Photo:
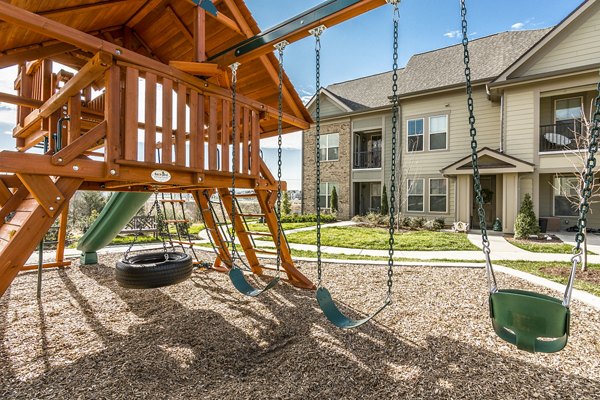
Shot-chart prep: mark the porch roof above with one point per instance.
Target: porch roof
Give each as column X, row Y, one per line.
column 490, row 162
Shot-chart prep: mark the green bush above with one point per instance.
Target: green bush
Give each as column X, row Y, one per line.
column 405, row 222
column 334, row 201
column 417, row 222
column 439, row 223
column 385, row 209
column 325, row 218
column 286, row 207
column 526, row 223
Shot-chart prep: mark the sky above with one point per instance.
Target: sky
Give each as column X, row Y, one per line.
column 363, row 46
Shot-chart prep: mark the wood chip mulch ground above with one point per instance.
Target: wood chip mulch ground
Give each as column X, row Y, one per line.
column 91, row 339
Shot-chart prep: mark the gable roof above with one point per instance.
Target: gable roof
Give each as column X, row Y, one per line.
column 490, row 161
column 530, row 53
column 439, row 69
column 159, row 29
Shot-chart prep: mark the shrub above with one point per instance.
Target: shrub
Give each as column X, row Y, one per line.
column 385, row 209
column 526, row 223
column 334, row 201
column 286, row 207
column 417, row 222
column 325, row 218
column 405, row 222
column 439, row 223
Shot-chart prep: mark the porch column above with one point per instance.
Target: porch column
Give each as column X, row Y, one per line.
column 464, row 201
column 510, row 201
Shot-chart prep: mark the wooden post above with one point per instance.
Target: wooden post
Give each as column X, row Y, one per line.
column 150, row 117
column 62, row 235
column 24, row 91
column 235, row 141
column 225, row 123
column 131, row 113
column 112, row 114
column 212, row 134
column 246, row 141
column 167, row 122
column 255, row 151
column 199, row 34
column 194, row 130
column 74, row 110
column 180, row 158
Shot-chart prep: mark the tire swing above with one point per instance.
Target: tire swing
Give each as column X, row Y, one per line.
column 155, row 269
column 532, row 321
column 324, row 298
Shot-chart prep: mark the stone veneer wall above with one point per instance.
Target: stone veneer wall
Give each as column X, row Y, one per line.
column 331, row 171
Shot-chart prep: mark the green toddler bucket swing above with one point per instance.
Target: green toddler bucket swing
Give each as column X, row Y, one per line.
column 532, row 321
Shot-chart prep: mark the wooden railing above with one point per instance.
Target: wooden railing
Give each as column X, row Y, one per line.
column 169, row 123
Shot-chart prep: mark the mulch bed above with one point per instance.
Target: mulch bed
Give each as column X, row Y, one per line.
column 543, row 239
column 589, row 275
column 200, row 339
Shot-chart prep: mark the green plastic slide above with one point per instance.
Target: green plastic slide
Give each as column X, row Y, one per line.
column 114, row 216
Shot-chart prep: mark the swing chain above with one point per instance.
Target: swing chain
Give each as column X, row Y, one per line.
column 316, row 32
column 474, row 157
column 280, row 49
column 234, row 68
column 395, row 113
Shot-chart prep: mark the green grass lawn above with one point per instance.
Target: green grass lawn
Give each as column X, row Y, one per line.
column 377, row 239
column 120, row 240
column 257, row 227
column 559, row 272
column 534, row 247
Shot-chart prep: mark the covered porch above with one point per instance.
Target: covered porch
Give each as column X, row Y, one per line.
column 501, row 177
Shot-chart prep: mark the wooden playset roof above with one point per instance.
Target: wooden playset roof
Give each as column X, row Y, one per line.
column 160, row 29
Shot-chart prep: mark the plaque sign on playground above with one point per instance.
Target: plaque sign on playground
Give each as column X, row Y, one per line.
column 161, row 176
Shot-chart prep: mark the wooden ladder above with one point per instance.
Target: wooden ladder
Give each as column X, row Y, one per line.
column 26, row 216
column 266, row 200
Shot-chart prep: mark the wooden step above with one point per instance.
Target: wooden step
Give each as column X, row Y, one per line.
column 269, row 252
column 251, row 233
column 173, row 201
column 246, row 195
column 176, row 221
column 251, row 215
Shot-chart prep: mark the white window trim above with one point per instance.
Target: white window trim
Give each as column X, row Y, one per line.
column 323, row 135
column 435, row 133
column 437, row 195
column 408, row 195
column 567, row 98
column 408, row 135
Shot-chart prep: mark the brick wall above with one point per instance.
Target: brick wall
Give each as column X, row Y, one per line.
column 331, row 171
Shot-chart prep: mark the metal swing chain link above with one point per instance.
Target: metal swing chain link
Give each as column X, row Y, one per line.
column 395, row 112
column 317, row 34
column 234, row 68
column 280, row 48
column 474, row 157
column 586, row 193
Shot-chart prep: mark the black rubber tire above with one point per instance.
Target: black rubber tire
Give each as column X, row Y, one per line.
column 151, row 270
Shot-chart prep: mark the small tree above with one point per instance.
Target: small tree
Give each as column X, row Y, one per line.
column 385, row 209
column 334, row 201
column 526, row 223
column 286, row 207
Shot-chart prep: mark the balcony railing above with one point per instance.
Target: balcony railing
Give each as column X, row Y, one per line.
column 559, row 137
column 367, row 159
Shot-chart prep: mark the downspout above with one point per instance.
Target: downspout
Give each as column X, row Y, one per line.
column 399, row 165
column 502, row 115
column 302, row 177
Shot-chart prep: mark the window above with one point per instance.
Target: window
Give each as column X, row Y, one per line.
column 438, row 195
column 376, row 197
column 438, row 131
column 567, row 110
column 566, row 197
column 325, row 195
column 415, row 134
column 415, row 195
column 330, row 147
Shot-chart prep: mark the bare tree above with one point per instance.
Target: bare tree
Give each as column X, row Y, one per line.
column 572, row 189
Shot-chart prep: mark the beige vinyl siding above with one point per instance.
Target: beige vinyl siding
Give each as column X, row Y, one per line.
column 520, row 123
column 328, row 108
column 576, row 46
column 458, row 139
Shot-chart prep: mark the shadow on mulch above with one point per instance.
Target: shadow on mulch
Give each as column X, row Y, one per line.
column 228, row 363
column 590, row 275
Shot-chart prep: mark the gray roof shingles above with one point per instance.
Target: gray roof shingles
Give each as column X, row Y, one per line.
column 437, row 69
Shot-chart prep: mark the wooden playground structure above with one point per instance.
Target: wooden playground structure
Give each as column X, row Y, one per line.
column 132, row 59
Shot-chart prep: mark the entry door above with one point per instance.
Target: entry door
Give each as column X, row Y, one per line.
column 488, row 189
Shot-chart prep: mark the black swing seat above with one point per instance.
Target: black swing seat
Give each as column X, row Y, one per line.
column 236, row 275
column 336, row 317
column 532, row 321
column 153, row 270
